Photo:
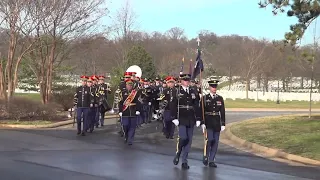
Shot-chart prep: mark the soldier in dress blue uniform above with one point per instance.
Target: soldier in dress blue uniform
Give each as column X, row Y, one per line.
column 93, row 105
column 122, row 87
column 186, row 114
column 170, row 96
column 103, row 91
column 213, row 123
column 148, row 98
column 96, row 105
column 82, row 102
column 129, row 109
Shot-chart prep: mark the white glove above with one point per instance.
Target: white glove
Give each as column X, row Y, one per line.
column 120, row 114
column 149, row 103
column 175, row 122
column 203, row 128
column 91, row 105
column 137, row 113
column 198, row 123
column 223, row 128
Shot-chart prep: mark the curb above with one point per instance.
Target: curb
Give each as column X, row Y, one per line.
column 269, row 110
column 53, row 125
column 268, row 151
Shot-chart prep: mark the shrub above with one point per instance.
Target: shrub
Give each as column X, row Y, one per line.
column 22, row 108
column 63, row 95
column 48, row 112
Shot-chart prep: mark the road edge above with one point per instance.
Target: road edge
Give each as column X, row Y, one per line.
column 53, row 125
column 269, row 152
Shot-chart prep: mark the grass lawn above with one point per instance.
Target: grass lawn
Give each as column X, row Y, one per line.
column 242, row 103
column 34, row 96
column 25, row 122
column 292, row 134
column 239, row 103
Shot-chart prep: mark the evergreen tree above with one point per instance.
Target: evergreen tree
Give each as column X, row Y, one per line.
column 305, row 11
column 140, row 57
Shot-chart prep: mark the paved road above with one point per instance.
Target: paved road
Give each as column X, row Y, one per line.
column 59, row 154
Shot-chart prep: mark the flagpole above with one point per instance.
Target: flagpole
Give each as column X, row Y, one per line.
column 201, row 89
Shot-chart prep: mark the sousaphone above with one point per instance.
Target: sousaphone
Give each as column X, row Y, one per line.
column 135, row 69
column 116, row 100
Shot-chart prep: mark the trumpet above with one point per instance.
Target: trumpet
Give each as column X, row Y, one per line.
column 116, row 100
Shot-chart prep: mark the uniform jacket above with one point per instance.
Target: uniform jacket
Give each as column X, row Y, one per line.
column 146, row 95
column 83, row 97
column 214, row 112
column 131, row 110
column 170, row 95
column 186, row 109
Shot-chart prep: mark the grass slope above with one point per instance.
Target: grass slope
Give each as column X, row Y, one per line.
column 292, row 134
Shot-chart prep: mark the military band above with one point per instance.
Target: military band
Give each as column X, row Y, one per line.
column 177, row 102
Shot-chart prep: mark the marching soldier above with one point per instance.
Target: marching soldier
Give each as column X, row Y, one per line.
column 186, row 114
column 96, row 106
column 170, row 98
column 147, row 98
column 122, row 87
column 82, row 102
column 129, row 109
column 103, row 90
column 155, row 102
column 93, row 105
column 214, row 122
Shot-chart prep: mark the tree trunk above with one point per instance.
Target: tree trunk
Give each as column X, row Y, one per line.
column 284, row 84
column 3, row 92
column 301, row 83
column 259, row 81
column 247, row 88
column 49, row 75
column 8, row 71
column 230, row 78
column 266, row 83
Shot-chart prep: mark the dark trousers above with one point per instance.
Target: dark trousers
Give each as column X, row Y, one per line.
column 102, row 114
column 168, row 124
column 184, row 142
column 211, row 144
column 129, row 125
column 82, row 112
column 91, row 118
column 145, row 114
column 96, row 116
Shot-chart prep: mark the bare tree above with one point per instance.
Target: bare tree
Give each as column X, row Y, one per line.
column 175, row 33
column 124, row 24
column 61, row 21
column 17, row 20
column 252, row 57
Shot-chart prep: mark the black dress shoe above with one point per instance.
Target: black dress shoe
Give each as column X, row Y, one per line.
column 167, row 136
column 185, row 166
column 205, row 160
column 171, row 137
column 78, row 133
column 83, row 134
column 176, row 160
column 212, row 164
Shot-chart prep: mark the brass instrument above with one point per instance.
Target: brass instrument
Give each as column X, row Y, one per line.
column 116, row 100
